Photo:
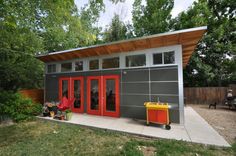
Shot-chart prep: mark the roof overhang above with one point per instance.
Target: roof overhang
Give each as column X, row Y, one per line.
column 188, row 38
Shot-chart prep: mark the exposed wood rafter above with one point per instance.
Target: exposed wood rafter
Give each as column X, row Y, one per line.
column 187, row 38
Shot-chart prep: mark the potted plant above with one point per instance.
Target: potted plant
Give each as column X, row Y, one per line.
column 52, row 107
column 68, row 114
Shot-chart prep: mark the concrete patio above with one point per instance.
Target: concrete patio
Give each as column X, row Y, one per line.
column 195, row 129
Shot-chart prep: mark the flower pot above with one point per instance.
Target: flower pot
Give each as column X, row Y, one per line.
column 62, row 117
column 52, row 114
column 68, row 116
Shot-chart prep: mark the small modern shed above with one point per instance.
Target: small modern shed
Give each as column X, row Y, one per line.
column 115, row 79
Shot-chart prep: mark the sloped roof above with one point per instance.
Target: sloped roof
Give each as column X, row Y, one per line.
column 188, row 38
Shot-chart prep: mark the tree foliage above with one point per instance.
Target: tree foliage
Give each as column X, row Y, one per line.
column 64, row 28
column 116, row 30
column 30, row 26
column 213, row 64
column 152, row 18
column 18, row 42
column 34, row 26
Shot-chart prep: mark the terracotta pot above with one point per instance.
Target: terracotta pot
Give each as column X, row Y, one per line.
column 62, row 117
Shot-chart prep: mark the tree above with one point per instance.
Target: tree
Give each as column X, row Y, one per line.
column 152, row 18
column 116, row 30
column 64, row 28
column 30, row 26
column 213, row 64
column 34, row 26
column 18, row 44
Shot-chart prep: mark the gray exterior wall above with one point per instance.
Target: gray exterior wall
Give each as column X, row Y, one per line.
column 137, row 86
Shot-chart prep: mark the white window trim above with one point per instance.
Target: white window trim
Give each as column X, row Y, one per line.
column 135, row 55
column 99, row 63
column 122, row 57
column 163, row 50
column 46, row 68
column 78, row 60
column 72, row 69
column 164, row 57
column 109, row 57
column 151, row 58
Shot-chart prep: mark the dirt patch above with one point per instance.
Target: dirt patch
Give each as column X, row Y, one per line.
column 221, row 119
column 7, row 122
column 147, row 151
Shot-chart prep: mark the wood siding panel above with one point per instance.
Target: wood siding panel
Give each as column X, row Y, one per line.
column 156, row 42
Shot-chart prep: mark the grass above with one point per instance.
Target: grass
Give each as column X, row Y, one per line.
column 41, row 137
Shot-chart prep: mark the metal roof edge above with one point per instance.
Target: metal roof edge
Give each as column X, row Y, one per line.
column 128, row 40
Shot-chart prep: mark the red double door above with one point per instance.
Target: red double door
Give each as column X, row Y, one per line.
column 73, row 88
column 102, row 94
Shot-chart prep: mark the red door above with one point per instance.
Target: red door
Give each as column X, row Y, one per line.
column 111, row 101
column 77, row 93
column 72, row 88
column 94, row 95
column 103, row 95
column 64, row 87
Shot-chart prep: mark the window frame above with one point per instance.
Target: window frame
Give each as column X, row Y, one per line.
column 48, row 68
column 142, row 53
column 92, row 59
column 122, row 59
column 163, row 50
column 64, row 62
column 110, row 57
column 163, row 57
column 78, row 60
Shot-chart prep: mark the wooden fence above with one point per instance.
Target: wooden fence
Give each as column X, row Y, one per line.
column 194, row 95
column 206, row 95
column 37, row 95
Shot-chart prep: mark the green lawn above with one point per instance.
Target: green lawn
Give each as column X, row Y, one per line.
column 51, row 138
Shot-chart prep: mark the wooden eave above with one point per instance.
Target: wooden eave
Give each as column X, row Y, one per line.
column 188, row 38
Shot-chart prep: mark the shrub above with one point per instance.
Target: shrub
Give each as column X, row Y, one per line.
column 17, row 107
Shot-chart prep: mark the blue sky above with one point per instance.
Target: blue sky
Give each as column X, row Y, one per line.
column 125, row 9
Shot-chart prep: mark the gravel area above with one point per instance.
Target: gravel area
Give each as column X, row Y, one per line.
column 221, row 119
